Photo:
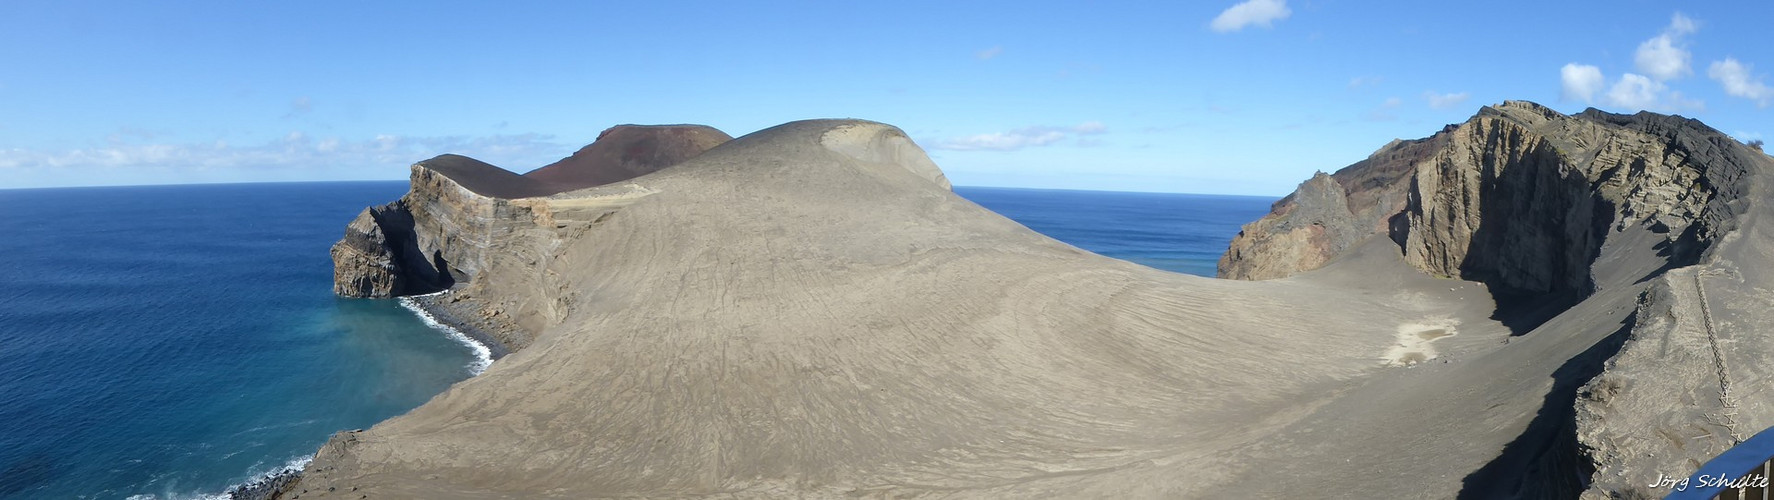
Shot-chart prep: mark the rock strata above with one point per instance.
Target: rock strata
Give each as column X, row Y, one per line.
column 1306, row 229
column 808, row 311
column 1629, row 210
column 1519, row 197
column 426, row 241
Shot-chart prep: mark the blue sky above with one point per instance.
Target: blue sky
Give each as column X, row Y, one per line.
column 1205, row 96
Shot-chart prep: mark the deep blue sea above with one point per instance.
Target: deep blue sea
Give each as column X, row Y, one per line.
column 173, row 341
column 1185, row 233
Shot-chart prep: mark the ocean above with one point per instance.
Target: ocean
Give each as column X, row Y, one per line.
column 1184, row 233
column 175, row 341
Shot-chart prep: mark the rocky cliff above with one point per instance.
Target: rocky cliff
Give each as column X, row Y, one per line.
column 1519, row 197
column 808, row 311
column 1328, row 214
column 400, row 248
column 1550, row 209
column 465, row 220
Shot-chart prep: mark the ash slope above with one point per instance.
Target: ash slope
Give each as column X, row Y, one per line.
column 807, row 310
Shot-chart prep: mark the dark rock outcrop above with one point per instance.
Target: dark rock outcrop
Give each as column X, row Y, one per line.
column 1574, row 214
column 1519, row 197
column 808, row 311
column 1328, row 214
column 436, row 235
column 380, row 257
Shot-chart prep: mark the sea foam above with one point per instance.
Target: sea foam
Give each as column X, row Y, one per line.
column 260, row 480
column 483, row 356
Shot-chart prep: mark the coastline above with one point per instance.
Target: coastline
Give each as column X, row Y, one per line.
column 444, row 312
column 270, row 484
column 439, row 311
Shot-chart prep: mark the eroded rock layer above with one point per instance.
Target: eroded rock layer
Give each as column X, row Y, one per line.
column 1519, row 197
column 441, row 231
column 1644, row 213
column 808, row 311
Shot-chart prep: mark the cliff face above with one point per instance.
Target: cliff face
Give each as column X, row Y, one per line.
column 1499, row 204
column 440, row 231
column 1328, row 214
column 1640, row 213
column 809, row 311
column 443, row 236
column 466, row 223
column 1519, row 197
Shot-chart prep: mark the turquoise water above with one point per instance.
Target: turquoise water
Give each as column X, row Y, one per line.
column 173, row 341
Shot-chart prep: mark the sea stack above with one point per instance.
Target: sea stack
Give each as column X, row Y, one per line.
column 809, row 311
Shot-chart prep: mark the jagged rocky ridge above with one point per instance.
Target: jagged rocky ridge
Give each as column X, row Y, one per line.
column 1519, row 197
column 1547, row 210
column 808, row 311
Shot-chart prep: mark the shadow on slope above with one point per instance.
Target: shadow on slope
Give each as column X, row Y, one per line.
column 1543, row 462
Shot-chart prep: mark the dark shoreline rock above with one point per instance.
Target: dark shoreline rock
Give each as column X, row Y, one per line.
column 451, row 313
column 266, row 488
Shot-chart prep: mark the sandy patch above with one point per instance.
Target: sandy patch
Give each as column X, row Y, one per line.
column 1415, row 341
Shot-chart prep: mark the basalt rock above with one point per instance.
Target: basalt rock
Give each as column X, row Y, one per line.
column 408, row 247
column 809, row 311
column 1519, row 197
column 1570, row 215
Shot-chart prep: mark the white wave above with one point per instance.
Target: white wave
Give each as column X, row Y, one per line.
column 483, row 356
column 294, row 465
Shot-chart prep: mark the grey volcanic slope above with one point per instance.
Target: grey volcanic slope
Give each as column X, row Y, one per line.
column 808, row 311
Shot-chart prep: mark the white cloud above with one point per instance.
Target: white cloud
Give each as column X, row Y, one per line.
column 1445, row 101
column 1581, row 82
column 1635, row 91
column 1682, row 25
column 1659, row 60
column 1250, row 13
column 1739, row 82
column 295, row 151
column 1664, row 56
column 989, row 53
column 1639, row 92
column 1021, row 138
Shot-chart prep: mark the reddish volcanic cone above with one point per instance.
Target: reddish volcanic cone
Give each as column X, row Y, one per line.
column 627, row 151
